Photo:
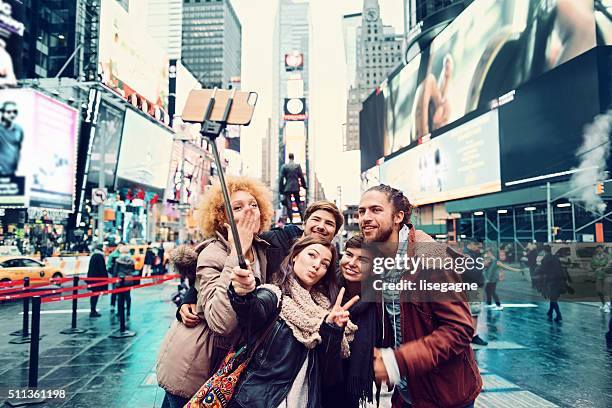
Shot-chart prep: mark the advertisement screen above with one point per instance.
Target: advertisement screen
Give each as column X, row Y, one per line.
column 544, row 125
column 129, row 59
column 12, row 30
column 108, row 131
column 196, row 167
column 371, row 130
column 37, row 150
column 491, row 48
column 145, row 152
column 462, row 162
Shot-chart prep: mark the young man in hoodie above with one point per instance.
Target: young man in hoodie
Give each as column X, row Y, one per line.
column 430, row 360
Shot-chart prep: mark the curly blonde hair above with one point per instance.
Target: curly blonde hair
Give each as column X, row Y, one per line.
column 211, row 211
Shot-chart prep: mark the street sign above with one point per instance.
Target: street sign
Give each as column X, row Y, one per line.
column 98, row 196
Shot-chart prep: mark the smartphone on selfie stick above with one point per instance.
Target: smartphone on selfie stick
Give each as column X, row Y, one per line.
column 214, row 109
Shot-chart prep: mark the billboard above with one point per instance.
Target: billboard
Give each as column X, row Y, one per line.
column 543, row 125
column 12, row 30
column 491, row 48
column 196, row 167
column 144, row 157
column 294, row 61
column 462, row 162
column 295, row 109
column 38, row 141
column 108, row 131
column 130, row 61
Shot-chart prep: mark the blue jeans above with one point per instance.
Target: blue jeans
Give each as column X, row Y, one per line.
column 174, row 401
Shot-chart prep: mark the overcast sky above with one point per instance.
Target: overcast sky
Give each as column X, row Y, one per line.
column 327, row 84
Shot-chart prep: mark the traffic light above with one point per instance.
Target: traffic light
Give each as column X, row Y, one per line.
column 600, row 188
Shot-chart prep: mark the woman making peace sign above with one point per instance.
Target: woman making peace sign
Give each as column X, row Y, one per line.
column 308, row 336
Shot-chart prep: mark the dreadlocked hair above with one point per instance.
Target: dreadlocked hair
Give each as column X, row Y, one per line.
column 399, row 201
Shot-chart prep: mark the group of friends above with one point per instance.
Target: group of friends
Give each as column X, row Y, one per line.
column 319, row 342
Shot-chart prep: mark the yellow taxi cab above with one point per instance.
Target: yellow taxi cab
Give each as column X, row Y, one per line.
column 18, row 267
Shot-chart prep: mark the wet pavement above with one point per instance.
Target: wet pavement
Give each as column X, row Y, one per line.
column 530, row 362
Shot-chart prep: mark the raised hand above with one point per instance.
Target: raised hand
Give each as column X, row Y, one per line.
column 243, row 280
column 339, row 314
column 247, row 226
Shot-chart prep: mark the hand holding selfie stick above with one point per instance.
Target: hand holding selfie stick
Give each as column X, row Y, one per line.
column 211, row 130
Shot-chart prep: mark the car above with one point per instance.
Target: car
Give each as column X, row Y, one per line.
column 19, row 267
column 7, row 250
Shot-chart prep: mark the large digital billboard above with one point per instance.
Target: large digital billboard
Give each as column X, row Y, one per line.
column 195, row 165
column 144, row 157
column 108, row 135
column 130, row 61
column 12, row 30
column 462, row 162
column 543, row 125
column 491, row 48
column 38, row 140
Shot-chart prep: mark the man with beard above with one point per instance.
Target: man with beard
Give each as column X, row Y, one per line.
column 11, row 138
column 429, row 359
column 321, row 218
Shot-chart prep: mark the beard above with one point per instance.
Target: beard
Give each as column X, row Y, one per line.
column 382, row 235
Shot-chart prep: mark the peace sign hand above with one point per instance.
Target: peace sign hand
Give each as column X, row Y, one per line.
column 339, row 315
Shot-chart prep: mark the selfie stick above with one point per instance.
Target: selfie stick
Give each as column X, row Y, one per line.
column 211, row 130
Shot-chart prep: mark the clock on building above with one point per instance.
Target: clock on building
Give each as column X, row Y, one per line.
column 371, row 14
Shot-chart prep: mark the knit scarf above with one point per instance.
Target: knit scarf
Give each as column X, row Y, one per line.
column 360, row 372
column 305, row 311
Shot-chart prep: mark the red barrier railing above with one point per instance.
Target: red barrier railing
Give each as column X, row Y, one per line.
column 156, row 281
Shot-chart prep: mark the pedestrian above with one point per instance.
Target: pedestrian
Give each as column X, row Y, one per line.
column 475, row 275
column 96, row 269
column 492, row 277
column 191, row 351
column 290, row 180
column 354, row 387
column 430, row 361
column 125, row 268
column 532, row 263
column 110, row 267
column 599, row 267
column 149, row 259
column 554, row 282
column 160, row 261
column 307, row 333
column 321, row 218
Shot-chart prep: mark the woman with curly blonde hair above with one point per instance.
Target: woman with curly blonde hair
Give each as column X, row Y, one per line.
column 191, row 351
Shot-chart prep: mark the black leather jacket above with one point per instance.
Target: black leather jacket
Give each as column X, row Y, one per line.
column 270, row 374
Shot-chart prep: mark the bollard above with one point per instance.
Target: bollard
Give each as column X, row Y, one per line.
column 33, row 369
column 24, row 334
column 73, row 328
column 123, row 332
column 33, row 373
column 24, row 331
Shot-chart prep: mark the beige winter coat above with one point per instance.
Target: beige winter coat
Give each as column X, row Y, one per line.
column 186, row 354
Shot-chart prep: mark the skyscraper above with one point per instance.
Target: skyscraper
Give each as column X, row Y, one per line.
column 378, row 52
column 165, row 24
column 290, row 85
column 212, row 41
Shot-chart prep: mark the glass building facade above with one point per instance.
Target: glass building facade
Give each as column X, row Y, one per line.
column 212, row 37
